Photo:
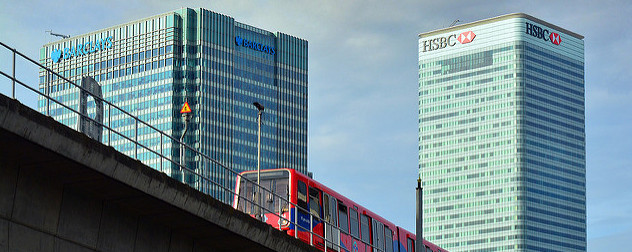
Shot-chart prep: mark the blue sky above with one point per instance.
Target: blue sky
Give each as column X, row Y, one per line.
column 363, row 85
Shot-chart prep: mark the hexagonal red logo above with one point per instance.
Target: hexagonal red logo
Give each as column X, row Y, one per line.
column 466, row 37
column 555, row 38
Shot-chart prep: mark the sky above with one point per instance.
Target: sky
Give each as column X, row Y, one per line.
column 362, row 136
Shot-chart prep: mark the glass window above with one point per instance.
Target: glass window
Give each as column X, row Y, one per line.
column 122, row 59
column 388, row 239
column 353, row 222
column 148, row 54
column 161, row 50
column 314, row 202
column 96, row 66
column 135, row 57
column 141, row 68
column 343, row 218
column 129, row 59
column 410, row 244
column 302, row 195
column 168, row 49
column 161, row 63
column 115, row 62
column 364, row 228
column 155, row 52
column 148, row 66
column 169, row 62
column 141, row 56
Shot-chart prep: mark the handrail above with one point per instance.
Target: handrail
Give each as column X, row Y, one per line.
column 224, row 189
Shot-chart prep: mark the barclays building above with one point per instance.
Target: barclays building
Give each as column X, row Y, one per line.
column 152, row 66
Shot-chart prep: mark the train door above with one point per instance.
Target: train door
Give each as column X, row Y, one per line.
column 315, row 209
column 343, row 221
column 389, row 242
column 330, row 215
column 378, row 236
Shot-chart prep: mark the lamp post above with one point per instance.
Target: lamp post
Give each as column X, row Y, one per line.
column 258, row 194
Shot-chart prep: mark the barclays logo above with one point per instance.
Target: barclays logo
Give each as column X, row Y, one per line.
column 254, row 45
column 81, row 49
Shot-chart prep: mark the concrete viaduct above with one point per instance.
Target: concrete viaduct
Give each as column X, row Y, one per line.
column 62, row 191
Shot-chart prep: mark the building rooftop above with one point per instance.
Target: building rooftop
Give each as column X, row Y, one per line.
column 499, row 18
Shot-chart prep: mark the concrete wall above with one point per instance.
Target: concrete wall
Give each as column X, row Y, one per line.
column 62, row 191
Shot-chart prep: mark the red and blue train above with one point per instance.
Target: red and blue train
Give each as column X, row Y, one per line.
column 358, row 229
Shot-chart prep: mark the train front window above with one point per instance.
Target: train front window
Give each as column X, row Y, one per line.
column 275, row 182
column 314, row 202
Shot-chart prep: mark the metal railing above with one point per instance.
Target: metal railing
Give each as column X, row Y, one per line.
column 109, row 129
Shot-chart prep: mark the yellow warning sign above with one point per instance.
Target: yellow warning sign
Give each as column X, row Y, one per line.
column 185, row 108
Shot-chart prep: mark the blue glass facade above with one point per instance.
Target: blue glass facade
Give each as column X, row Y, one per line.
column 219, row 66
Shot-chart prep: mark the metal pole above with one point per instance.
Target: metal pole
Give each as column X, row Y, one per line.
column 260, row 109
column 419, row 232
column 259, row 165
column 160, row 133
column 311, row 230
column 47, row 90
column 325, row 234
column 182, row 149
column 136, row 138
column 295, row 221
column 13, row 93
column 110, row 124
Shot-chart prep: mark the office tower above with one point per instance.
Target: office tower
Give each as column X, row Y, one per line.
column 152, row 66
column 502, row 136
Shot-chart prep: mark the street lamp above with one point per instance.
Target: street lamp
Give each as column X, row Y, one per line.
column 258, row 195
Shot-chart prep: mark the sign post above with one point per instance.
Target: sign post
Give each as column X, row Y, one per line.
column 186, row 114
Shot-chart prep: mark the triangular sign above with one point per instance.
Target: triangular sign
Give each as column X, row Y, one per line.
column 185, row 108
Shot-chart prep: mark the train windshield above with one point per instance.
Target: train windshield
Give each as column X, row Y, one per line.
column 274, row 199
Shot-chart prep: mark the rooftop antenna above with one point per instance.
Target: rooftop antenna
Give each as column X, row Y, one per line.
column 454, row 23
column 57, row 35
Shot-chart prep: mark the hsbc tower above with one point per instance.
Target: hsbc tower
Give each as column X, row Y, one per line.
column 502, row 150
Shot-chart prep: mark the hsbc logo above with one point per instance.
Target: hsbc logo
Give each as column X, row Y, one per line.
column 543, row 33
column 443, row 42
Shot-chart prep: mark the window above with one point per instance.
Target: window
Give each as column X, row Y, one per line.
column 388, row 239
column 364, row 228
column 410, row 244
column 428, row 249
column 343, row 218
column 314, row 202
column 302, row 195
column 353, row 222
